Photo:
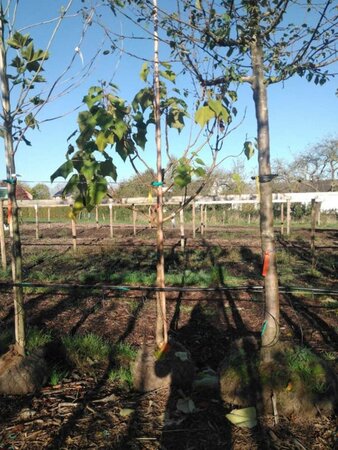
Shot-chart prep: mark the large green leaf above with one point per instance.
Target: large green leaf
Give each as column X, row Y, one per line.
column 95, row 94
column 18, row 40
column 249, row 149
column 108, row 169
column 203, row 115
column 63, row 171
column 144, row 72
column 97, row 190
column 102, row 140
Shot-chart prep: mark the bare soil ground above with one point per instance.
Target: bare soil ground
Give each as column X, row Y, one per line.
column 89, row 411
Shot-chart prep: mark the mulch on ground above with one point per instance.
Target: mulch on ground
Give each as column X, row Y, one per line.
column 89, row 411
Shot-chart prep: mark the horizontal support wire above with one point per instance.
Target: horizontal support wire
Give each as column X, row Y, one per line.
column 111, row 287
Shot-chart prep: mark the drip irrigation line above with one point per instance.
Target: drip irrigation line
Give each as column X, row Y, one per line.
column 112, row 287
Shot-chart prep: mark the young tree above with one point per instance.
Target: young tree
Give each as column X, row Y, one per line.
column 21, row 74
column 40, row 191
column 255, row 42
column 111, row 123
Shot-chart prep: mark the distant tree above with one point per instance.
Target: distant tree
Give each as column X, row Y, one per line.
column 317, row 163
column 40, row 191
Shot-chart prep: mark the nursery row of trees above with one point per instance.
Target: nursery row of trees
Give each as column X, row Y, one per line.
column 219, row 47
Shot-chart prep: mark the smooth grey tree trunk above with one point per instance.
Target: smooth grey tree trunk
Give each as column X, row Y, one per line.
column 270, row 329
column 16, row 254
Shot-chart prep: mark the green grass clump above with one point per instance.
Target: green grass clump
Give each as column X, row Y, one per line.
column 57, row 375
column 86, row 350
column 305, row 365
column 122, row 376
column 37, row 338
column 123, row 354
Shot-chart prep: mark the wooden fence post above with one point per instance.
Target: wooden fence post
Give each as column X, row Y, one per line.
column 134, row 218
column 313, row 232
column 97, row 216
column 111, row 220
column 2, row 238
column 205, row 217
column 282, row 218
column 182, row 228
column 202, row 220
column 318, row 208
column 193, row 206
column 288, row 216
column 36, row 221
column 74, row 237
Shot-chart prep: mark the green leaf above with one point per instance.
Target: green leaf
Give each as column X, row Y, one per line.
column 203, row 115
column 97, row 190
column 95, row 95
column 198, row 4
column 31, row 122
column 120, row 129
column 108, row 169
column 71, row 185
column 215, row 105
column 78, row 205
column 144, row 72
column 246, row 417
column 199, row 171
column 199, row 161
column 249, row 149
column 63, row 171
column 18, row 40
column 36, row 100
column 169, row 75
column 102, row 141
column 182, row 180
column 144, row 99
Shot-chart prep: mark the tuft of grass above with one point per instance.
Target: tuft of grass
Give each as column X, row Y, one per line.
column 87, row 349
column 57, row 375
column 122, row 376
column 124, row 354
column 305, row 365
column 37, row 338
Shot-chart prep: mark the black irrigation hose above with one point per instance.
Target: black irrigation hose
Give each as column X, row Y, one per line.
column 111, row 287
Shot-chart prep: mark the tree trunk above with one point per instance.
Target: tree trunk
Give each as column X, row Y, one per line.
column 270, row 330
column 16, row 255
column 161, row 320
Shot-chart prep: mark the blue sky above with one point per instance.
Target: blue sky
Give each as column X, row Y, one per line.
column 301, row 113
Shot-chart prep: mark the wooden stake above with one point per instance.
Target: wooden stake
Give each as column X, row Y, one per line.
column 134, row 218
column 318, row 208
column 314, row 213
column 97, row 216
column 193, row 206
column 111, row 220
column 182, row 229
column 282, row 218
column 288, row 217
column 202, row 220
column 2, row 238
column 205, row 217
column 74, row 235
column 36, row 221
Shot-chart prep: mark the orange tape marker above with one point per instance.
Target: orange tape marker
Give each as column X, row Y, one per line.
column 9, row 211
column 266, row 263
